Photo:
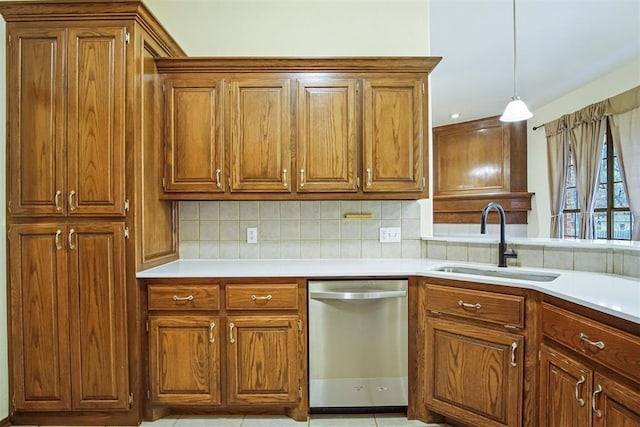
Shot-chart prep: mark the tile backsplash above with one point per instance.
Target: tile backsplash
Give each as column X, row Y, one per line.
column 297, row 229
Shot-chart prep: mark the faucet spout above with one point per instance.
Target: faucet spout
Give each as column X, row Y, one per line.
column 503, row 254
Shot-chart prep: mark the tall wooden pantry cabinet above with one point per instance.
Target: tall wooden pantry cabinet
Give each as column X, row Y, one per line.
column 84, row 166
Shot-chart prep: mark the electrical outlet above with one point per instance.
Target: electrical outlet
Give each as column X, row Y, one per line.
column 390, row 234
column 252, row 234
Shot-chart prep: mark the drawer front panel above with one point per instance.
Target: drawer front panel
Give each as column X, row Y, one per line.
column 262, row 297
column 183, row 297
column 604, row 344
column 491, row 307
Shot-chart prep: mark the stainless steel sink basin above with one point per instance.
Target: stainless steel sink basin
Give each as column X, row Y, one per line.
column 506, row 274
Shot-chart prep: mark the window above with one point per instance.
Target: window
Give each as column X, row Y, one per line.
column 612, row 219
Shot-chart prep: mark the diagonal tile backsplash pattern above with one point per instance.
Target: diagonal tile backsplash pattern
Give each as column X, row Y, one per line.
column 297, row 229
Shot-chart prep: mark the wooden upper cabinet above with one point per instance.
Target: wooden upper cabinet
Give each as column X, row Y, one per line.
column 327, row 145
column 260, row 149
column 66, row 134
column 478, row 162
column 194, row 158
column 393, row 125
column 37, row 120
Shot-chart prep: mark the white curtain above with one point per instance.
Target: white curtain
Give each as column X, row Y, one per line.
column 625, row 130
column 557, row 159
column 586, row 138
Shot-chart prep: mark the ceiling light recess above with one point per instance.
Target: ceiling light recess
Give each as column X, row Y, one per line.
column 516, row 110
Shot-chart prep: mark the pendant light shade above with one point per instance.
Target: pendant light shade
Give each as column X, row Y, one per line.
column 516, row 109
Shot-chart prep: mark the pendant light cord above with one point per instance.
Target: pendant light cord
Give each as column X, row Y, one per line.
column 515, row 84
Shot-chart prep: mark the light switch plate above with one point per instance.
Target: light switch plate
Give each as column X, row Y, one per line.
column 252, row 234
column 390, row 234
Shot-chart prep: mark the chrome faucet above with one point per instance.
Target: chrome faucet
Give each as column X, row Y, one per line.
column 503, row 254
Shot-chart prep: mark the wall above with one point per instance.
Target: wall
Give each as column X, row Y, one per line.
column 4, row 377
column 296, row 27
column 298, row 230
column 608, row 85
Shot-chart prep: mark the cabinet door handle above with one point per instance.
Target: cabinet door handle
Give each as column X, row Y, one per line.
column 285, row 179
column 264, row 298
column 594, row 397
column 584, row 338
column 231, row 326
column 301, row 178
column 177, row 298
column 463, row 304
column 58, row 245
column 514, row 346
column 212, row 326
column 70, row 239
column 578, row 384
column 56, row 199
column 369, row 178
column 71, row 196
column 218, row 178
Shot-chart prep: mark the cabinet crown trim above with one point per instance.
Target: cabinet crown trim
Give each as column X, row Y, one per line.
column 423, row 64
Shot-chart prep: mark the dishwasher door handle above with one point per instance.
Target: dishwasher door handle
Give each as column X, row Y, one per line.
column 357, row 295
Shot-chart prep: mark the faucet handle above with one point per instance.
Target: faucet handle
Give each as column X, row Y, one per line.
column 511, row 254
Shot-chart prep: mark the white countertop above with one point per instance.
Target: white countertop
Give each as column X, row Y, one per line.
column 615, row 295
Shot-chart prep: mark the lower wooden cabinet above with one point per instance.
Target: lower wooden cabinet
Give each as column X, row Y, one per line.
column 572, row 394
column 588, row 372
column 184, row 360
column 67, row 296
column 474, row 374
column 249, row 351
column 260, row 353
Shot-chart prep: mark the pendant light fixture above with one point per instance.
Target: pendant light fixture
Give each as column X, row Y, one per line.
column 516, row 109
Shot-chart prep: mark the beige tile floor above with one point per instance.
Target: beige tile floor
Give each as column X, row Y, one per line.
column 369, row 420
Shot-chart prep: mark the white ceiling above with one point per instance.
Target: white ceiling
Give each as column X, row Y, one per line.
column 561, row 45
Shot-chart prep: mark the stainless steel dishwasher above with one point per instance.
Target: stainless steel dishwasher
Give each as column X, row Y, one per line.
column 358, row 344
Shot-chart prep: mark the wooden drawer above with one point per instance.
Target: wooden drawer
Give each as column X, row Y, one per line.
column 262, row 296
column 611, row 347
column 183, row 297
column 491, row 307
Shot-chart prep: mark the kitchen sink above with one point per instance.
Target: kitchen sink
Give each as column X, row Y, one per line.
column 506, row 274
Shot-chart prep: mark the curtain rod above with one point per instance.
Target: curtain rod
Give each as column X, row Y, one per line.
column 537, row 127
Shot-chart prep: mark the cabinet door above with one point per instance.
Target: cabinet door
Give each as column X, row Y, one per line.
column 36, row 120
column 184, row 360
column 193, row 135
column 614, row 405
column 327, row 140
column 394, row 123
column 39, row 328
column 97, row 295
column 474, row 374
column 96, row 133
column 260, row 152
column 262, row 360
column 565, row 390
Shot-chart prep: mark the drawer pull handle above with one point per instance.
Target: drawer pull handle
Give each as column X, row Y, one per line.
column 231, row 339
column 264, row 298
column 58, row 245
column 594, row 397
column 212, row 326
column 463, row 304
column 56, row 199
column 586, row 339
column 218, row 178
column 71, row 196
column 514, row 346
column 177, row 298
column 578, row 384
